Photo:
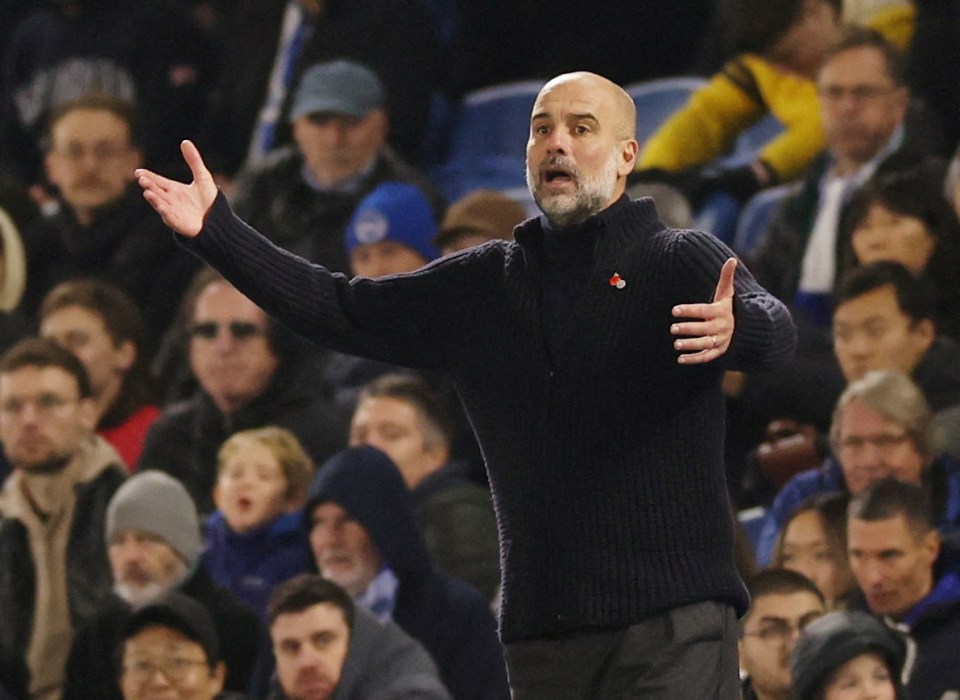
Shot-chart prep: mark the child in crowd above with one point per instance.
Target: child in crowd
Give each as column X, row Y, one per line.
column 255, row 539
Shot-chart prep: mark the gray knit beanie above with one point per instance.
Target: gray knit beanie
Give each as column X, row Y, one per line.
column 155, row 502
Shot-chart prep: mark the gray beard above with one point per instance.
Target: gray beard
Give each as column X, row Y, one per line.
column 138, row 596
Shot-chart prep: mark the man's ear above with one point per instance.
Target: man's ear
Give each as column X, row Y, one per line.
column 628, row 157
column 926, row 332
column 88, row 413
column 127, row 355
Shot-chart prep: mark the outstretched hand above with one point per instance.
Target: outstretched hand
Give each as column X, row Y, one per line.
column 182, row 207
column 708, row 337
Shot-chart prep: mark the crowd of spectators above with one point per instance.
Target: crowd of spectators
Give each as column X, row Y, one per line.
column 177, row 468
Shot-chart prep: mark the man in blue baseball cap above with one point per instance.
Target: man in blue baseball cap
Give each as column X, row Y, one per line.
column 304, row 194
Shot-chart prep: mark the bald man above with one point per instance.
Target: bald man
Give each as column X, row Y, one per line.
column 589, row 355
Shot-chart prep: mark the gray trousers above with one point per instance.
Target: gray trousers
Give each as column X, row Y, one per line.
column 688, row 653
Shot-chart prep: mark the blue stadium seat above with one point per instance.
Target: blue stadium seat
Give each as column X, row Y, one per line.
column 494, row 121
column 756, row 216
column 657, row 99
column 752, row 521
column 488, row 141
column 750, row 141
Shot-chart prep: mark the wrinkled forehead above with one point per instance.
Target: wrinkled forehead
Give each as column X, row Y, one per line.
column 580, row 93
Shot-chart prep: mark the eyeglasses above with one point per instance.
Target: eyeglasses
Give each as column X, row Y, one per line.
column 778, row 632
column 101, row 152
column 883, row 441
column 176, row 669
column 240, row 330
column 45, row 404
column 858, row 93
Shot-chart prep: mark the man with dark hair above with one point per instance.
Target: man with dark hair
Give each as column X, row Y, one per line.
column 782, row 602
column 910, row 576
column 327, row 647
column 248, row 370
column 402, row 416
column 102, row 228
column 100, row 324
column 883, row 318
column 171, row 645
column 54, row 571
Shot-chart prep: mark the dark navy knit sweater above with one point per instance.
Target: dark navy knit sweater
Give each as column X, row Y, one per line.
column 604, row 454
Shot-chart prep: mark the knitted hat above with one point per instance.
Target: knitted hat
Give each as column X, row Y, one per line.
column 487, row 212
column 834, row 639
column 341, row 87
column 182, row 613
column 394, row 211
column 155, row 502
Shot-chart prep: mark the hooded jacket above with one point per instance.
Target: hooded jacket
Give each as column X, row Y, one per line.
column 383, row 663
column 450, row 618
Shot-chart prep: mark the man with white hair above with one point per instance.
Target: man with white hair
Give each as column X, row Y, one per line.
column 154, row 543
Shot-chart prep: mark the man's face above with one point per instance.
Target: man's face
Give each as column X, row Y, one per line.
column 161, row 663
column 143, row 565
column 83, row 332
column 887, row 235
column 871, row 446
column 579, row 154
column 91, row 160
column 892, row 565
column 802, row 47
column 860, row 105
column 343, row 550
column 336, row 147
column 395, row 427
column 872, row 332
column 43, row 420
column 230, row 354
column 770, row 630
column 384, row 258
column 251, row 488
column 310, row 647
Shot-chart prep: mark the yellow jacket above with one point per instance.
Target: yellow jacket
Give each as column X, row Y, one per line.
column 746, row 89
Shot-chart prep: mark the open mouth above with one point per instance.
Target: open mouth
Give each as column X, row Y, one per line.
column 556, row 176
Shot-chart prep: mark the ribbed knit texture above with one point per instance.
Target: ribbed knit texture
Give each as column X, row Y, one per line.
column 606, row 461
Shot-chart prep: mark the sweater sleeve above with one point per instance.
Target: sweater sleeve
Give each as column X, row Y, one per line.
column 401, row 319
column 764, row 335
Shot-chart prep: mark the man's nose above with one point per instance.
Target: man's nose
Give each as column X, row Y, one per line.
column 558, row 141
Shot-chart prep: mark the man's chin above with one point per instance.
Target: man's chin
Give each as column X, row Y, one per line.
column 139, row 595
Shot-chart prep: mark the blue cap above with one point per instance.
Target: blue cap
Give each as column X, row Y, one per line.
column 341, row 87
column 394, row 211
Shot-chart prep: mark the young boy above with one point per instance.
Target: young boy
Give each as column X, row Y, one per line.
column 255, row 539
